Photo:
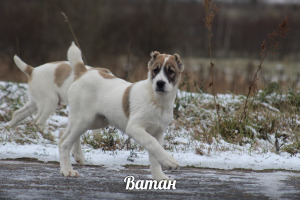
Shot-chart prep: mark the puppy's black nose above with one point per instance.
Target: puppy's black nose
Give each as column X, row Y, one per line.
column 160, row 84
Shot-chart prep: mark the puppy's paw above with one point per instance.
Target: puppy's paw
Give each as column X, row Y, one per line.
column 69, row 173
column 169, row 162
column 79, row 158
column 160, row 177
column 9, row 124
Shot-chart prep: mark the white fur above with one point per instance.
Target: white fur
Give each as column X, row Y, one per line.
column 96, row 102
column 162, row 77
column 22, row 66
column 166, row 59
column 72, row 52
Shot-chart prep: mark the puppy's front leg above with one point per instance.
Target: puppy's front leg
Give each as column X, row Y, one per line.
column 155, row 166
column 139, row 134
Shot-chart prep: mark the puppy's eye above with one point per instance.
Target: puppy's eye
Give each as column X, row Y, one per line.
column 156, row 70
column 170, row 71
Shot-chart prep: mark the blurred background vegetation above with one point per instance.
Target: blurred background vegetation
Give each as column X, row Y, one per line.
column 120, row 35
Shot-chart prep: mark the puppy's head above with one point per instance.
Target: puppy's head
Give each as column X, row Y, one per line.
column 164, row 71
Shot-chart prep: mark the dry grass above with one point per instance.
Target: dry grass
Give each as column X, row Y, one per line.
column 271, row 45
column 272, row 124
column 271, row 118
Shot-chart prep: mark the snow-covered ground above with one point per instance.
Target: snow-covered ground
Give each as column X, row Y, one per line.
column 183, row 146
column 223, row 160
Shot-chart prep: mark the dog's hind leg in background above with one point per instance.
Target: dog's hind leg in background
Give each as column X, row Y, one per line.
column 30, row 107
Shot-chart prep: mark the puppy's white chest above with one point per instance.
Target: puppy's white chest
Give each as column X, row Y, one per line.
column 159, row 120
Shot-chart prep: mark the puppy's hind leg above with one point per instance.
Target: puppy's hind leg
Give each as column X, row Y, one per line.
column 99, row 122
column 45, row 108
column 64, row 155
column 26, row 111
column 77, row 152
column 66, row 142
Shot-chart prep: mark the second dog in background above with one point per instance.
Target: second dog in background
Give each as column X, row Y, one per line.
column 48, row 86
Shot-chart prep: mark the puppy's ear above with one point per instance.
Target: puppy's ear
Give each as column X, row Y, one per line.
column 153, row 55
column 179, row 63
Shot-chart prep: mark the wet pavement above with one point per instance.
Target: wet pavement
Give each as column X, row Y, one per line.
column 29, row 179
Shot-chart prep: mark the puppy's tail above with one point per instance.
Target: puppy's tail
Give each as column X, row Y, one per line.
column 27, row 69
column 75, row 58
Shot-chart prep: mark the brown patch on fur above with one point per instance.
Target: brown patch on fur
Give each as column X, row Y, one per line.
column 126, row 102
column 62, row 72
column 28, row 72
column 79, row 70
column 105, row 73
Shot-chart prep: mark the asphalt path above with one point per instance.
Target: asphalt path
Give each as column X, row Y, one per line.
column 29, row 179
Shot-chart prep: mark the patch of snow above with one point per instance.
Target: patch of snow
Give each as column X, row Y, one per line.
column 222, row 160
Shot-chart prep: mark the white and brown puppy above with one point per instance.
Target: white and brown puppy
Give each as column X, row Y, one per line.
column 48, row 85
column 143, row 109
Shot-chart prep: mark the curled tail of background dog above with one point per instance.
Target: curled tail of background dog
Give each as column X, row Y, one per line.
column 27, row 69
column 75, row 58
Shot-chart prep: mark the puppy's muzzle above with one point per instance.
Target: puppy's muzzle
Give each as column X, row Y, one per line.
column 160, row 86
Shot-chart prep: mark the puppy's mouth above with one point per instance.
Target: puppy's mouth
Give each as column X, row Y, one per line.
column 160, row 90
